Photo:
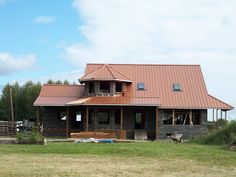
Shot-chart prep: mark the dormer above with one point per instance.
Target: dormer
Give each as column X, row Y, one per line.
column 104, row 81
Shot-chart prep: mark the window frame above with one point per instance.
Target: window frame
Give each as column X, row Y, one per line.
column 142, row 84
column 102, row 111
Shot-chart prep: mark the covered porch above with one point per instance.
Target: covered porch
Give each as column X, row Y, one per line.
column 123, row 122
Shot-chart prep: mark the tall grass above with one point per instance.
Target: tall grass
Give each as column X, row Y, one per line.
column 222, row 136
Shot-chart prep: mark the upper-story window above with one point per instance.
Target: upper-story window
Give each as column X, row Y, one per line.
column 91, row 87
column 141, row 86
column 176, row 87
column 118, row 87
column 105, row 87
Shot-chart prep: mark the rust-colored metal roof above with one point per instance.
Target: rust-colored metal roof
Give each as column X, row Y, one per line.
column 117, row 100
column 158, row 81
column 104, row 73
column 58, row 95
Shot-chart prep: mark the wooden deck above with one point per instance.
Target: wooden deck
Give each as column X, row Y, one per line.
column 98, row 135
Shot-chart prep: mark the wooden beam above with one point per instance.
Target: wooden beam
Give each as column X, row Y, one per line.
column 191, row 117
column 67, row 122
column 121, row 120
column 157, row 128
column 86, row 118
column 11, row 105
column 37, row 118
column 173, row 117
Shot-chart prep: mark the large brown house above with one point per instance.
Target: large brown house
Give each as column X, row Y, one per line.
column 129, row 101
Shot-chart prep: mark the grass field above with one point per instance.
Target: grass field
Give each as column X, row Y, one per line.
column 133, row 159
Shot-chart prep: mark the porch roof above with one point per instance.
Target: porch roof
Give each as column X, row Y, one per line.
column 117, row 100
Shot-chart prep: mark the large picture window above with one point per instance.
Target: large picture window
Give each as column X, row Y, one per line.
column 103, row 116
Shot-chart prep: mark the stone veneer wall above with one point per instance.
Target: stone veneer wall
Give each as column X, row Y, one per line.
column 187, row 130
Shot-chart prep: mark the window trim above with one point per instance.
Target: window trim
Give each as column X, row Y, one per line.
column 142, row 84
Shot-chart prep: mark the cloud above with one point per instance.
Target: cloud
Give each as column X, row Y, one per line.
column 3, row 2
column 163, row 31
column 10, row 63
column 44, row 19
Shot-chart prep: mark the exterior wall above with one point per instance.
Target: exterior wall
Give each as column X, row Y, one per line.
column 52, row 125
column 188, row 131
column 128, row 120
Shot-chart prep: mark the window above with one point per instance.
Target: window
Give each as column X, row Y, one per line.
column 105, row 87
column 103, row 116
column 176, row 87
column 196, row 117
column 140, row 86
column 78, row 116
column 62, row 115
column 91, row 116
column 118, row 87
column 117, row 116
column 91, row 87
column 138, row 117
column 168, row 117
column 182, row 117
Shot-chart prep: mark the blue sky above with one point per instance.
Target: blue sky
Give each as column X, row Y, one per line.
column 56, row 38
column 21, row 35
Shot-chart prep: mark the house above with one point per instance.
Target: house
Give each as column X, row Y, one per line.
column 130, row 100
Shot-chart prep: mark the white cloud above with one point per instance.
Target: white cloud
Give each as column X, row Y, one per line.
column 2, row 2
column 44, row 19
column 163, row 31
column 10, row 63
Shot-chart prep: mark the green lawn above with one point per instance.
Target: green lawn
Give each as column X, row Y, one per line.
column 117, row 159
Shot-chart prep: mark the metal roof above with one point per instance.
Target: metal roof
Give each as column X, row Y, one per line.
column 158, row 80
column 104, row 73
column 58, row 95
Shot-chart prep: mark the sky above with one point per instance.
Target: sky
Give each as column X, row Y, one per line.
column 55, row 39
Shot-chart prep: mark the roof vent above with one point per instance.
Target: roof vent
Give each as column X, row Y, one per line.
column 176, row 87
column 140, row 86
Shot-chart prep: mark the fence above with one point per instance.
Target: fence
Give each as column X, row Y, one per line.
column 7, row 128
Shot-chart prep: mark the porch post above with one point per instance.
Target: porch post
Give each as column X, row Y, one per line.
column 37, row 118
column 191, row 117
column 67, row 122
column 213, row 120
column 87, row 117
column 121, row 121
column 157, row 128
column 173, row 117
column 225, row 115
column 216, row 118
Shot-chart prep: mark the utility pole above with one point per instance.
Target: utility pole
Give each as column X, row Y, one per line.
column 11, row 104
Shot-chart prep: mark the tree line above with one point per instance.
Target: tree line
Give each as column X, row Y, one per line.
column 23, row 97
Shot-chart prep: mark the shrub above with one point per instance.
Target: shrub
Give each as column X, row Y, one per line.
column 223, row 136
column 32, row 137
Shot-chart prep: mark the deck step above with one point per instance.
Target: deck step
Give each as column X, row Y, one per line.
column 140, row 135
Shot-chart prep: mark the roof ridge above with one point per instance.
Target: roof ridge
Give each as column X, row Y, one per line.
column 143, row 64
column 120, row 73
column 109, row 68
column 97, row 71
column 71, row 85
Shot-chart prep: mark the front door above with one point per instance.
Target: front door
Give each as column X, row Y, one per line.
column 139, row 120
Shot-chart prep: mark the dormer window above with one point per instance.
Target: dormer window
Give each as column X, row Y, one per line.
column 118, row 87
column 176, row 87
column 104, row 87
column 140, row 86
column 91, row 87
